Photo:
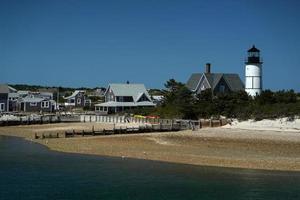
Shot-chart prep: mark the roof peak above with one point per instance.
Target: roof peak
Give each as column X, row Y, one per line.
column 253, row 49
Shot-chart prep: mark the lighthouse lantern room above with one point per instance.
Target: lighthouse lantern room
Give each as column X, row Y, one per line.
column 253, row 72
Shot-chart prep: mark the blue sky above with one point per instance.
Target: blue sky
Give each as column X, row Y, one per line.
column 93, row 43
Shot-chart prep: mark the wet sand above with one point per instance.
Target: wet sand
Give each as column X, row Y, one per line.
column 272, row 150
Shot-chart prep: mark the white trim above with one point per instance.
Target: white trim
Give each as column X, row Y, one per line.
column 45, row 104
column 197, row 87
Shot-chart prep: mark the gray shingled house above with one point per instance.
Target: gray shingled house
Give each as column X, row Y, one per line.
column 5, row 91
column 122, row 97
column 217, row 82
column 77, row 99
column 37, row 104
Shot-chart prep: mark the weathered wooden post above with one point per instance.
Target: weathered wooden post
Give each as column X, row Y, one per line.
column 220, row 122
column 200, row 125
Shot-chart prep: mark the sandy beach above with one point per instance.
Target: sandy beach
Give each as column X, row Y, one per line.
column 226, row 147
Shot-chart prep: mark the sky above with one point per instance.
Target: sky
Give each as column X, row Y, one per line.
column 92, row 43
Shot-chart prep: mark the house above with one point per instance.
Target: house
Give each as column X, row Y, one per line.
column 36, row 104
column 122, row 97
column 157, row 99
column 77, row 99
column 217, row 82
column 5, row 92
column 13, row 101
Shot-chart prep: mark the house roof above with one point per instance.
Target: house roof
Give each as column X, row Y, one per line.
column 13, row 95
column 4, row 88
column 134, row 90
column 233, row 80
column 32, row 99
column 74, row 94
column 125, row 104
column 193, row 81
column 23, row 92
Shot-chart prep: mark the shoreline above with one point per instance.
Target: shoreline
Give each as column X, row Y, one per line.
column 218, row 147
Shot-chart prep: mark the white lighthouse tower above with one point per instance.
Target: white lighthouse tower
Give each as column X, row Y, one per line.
column 253, row 72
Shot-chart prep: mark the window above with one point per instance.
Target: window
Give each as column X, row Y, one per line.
column 78, row 101
column 45, row 104
column 2, row 107
column 32, row 104
column 203, row 87
column 222, row 88
column 105, row 108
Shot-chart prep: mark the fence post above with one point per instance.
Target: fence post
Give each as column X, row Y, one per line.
column 200, row 125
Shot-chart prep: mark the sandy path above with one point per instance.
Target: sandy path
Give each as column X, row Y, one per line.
column 211, row 146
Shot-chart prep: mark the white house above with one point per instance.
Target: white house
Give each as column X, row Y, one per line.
column 121, row 97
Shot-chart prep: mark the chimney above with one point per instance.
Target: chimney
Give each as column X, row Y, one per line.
column 207, row 68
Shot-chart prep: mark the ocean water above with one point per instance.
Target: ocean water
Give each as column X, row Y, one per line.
column 31, row 171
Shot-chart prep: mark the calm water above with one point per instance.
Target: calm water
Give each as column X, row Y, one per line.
column 31, row 171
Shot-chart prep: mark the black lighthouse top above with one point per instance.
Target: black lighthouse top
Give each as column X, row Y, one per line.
column 253, row 56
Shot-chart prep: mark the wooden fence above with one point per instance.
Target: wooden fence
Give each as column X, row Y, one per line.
column 187, row 124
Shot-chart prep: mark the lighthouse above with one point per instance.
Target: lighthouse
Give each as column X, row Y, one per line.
column 253, row 72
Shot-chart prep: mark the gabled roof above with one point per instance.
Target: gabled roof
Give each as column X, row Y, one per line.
column 193, row 81
column 213, row 79
column 134, row 90
column 29, row 99
column 75, row 93
column 5, row 89
column 233, row 80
